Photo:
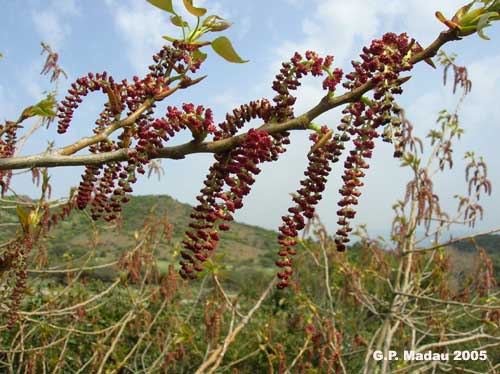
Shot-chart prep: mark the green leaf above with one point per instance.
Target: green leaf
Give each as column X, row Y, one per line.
column 165, row 5
column 463, row 10
column 23, row 216
column 177, row 21
column 495, row 7
column 199, row 55
column 484, row 21
column 170, row 39
column 215, row 23
column 44, row 108
column 223, row 47
column 198, row 12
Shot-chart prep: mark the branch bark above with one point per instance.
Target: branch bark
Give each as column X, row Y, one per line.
column 64, row 156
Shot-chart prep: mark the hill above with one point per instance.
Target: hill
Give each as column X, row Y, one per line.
column 243, row 246
column 464, row 252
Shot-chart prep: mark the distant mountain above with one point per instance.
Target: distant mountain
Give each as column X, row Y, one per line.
column 466, row 251
column 243, row 246
column 490, row 242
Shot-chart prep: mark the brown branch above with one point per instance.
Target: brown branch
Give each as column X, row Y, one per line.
column 72, row 270
column 85, row 142
column 453, row 241
column 40, row 348
column 450, row 302
column 218, row 354
column 447, row 343
column 72, row 308
column 63, row 156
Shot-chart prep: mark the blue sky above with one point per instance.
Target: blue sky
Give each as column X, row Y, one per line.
column 119, row 36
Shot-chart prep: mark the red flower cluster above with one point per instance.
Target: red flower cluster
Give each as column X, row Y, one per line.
column 231, row 176
column 353, row 173
column 289, row 76
column 8, row 141
column 102, row 192
column 179, row 58
column 80, row 89
column 104, row 188
column 228, row 182
column 14, row 259
column 382, row 64
column 306, row 200
column 385, row 59
column 198, row 120
column 245, row 113
column 52, row 64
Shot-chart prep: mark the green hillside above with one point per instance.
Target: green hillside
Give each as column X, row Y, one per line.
column 243, row 246
column 490, row 243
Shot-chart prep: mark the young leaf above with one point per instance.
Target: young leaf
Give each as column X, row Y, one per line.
column 463, row 10
column 23, row 216
column 165, row 5
column 224, row 48
column 114, row 100
column 215, row 23
column 44, row 108
column 484, row 22
column 450, row 24
column 178, row 21
column 170, row 39
column 198, row 12
column 495, row 7
column 45, row 180
column 199, row 55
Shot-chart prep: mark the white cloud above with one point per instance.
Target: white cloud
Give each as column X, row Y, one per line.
column 66, row 7
column 336, row 27
column 333, row 27
column 33, row 89
column 295, row 3
column 53, row 22
column 141, row 26
column 225, row 101
column 244, row 26
column 482, row 103
column 7, row 109
column 50, row 28
column 341, row 28
column 418, row 19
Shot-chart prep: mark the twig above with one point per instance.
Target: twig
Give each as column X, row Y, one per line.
column 71, row 308
column 299, row 355
column 450, row 302
column 64, row 156
column 218, row 354
column 453, row 241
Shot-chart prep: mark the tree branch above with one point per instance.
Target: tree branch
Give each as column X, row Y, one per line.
column 452, row 241
column 450, row 302
column 64, row 156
